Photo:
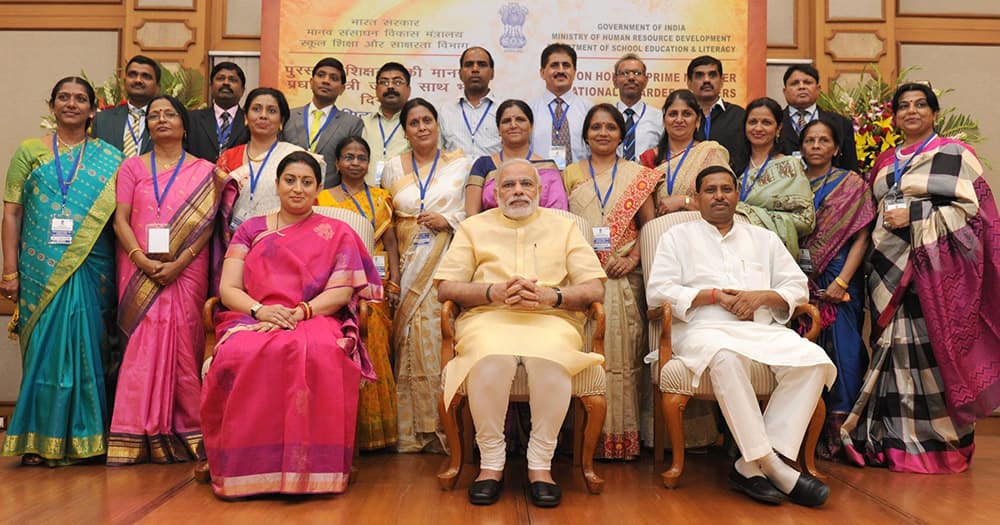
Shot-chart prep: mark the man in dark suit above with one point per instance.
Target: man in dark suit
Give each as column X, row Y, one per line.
column 801, row 93
column 223, row 124
column 319, row 126
column 124, row 127
column 723, row 121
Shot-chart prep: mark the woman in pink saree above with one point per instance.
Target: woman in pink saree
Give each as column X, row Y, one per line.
column 280, row 399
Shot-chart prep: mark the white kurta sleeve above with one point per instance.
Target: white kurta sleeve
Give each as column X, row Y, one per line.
column 665, row 279
column 787, row 279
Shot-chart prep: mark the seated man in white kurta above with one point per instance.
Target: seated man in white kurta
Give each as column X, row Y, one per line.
column 733, row 287
column 522, row 275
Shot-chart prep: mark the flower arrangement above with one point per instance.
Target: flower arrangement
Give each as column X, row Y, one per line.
column 869, row 104
column 186, row 84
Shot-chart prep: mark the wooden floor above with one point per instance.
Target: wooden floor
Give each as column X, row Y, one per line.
column 398, row 488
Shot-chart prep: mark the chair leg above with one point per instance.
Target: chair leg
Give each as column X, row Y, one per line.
column 659, row 430
column 453, row 465
column 673, row 415
column 595, row 408
column 467, row 431
column 807, row 455
column 579, row 420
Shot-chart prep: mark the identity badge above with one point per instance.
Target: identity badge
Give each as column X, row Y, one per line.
column 423, row 238
column 158, row 237
column 61, row 230
column 379, row 261
column 558, row 155
column 378, row 173
column 602, row 239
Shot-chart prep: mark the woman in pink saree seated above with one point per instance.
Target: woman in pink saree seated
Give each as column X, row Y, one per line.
column 280, row 399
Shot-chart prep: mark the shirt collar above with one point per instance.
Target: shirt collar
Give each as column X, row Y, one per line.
column 490, row 96
column 567, row 97
column 637, row 107
column 132, row 109
column 219, row 111
column 810, row 111
column 326, row 110
column 720, row 104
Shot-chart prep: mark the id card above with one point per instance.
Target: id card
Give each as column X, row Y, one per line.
column 379, row 261
column 423, row 239
column 234, row 223
column 805, row 261
column 378, row 173
column 61, row 230
column 891, row 204
column 602, row 239
column 558, row 155
column 158, row 236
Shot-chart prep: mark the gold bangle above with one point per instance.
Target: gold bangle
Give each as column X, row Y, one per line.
column 840, row 282
column 132, row 251
column 193, row 254
column 687, row 200
column 8, row 277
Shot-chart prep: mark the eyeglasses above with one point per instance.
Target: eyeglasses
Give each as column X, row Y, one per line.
column 631, row 73
column 352, row 158
column 166, row 115
column 394, row 82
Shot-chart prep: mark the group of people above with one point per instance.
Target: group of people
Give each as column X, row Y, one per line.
column 179, row 206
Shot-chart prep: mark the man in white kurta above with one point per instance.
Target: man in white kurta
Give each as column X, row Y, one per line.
column 732, row 287
column 522, row 275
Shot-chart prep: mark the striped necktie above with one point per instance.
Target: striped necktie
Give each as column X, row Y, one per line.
column 131, row 133
column 317, row 122
column 560, row 137
column 629, row 152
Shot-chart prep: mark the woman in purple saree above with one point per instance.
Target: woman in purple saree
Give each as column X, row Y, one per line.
column 280, row 398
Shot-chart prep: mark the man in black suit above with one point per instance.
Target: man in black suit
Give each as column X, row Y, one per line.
column 124, row 127
column 801, row 93
column 223, row 124
column 723, row 121
column 319, row 125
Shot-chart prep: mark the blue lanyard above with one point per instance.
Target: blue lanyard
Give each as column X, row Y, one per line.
column 358, row 204
column 468, row 126
column 424, row 185
column 746, row 188
column 156, row 184
column 826, row 187
column 385, row 141
column 525, row 158
column 131, row 130
column 672, row 177
column 558, row 126
column 897, row 173
column 64, row 182
column 255, row 177
column 312, row 143
column 607, row 195
column 223, row 134
column 632, row 129
column 708, row 125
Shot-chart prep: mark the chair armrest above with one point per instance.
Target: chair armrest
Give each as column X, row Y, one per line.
column 449, row 313
column 596, row 313
column 666, row 314
column 813, row 312
column 208, row 322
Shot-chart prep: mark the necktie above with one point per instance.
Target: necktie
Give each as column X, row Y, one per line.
column 317, row 122
column 560, row 137
column 629, row 142
column 802, row 119
column 131, row 133
column 223, row 128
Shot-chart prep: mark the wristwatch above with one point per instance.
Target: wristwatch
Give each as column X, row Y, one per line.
column 254, row 309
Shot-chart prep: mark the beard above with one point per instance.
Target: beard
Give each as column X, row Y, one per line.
column 521, row 211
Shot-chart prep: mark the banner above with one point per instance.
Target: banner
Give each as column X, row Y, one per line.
column 428, row 37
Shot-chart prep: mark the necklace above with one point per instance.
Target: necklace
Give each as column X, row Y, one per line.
column 68, row 145
column 258, row 158
column 168, row 164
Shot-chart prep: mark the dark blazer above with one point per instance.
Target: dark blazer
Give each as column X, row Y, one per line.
column 847, row 159
column 203, row 141
column 727, row 129
column 343, row 125
column 109, row 126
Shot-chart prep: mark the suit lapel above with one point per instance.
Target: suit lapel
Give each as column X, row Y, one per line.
column 328, row 133
column 296, row 129
column 207, row 122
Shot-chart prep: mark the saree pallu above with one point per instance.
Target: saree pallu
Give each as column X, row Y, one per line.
column 377, row 409
column 279, row 408
column 781, row 201
column 701, row 156
column 551, row 192
column 66, row 303
column 624, row 298
column 416, row 327
column 156, row 405
column 934, row 292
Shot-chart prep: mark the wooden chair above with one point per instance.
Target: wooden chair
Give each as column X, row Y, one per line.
column 589, row 404
column 364, row 229
column 674, row 380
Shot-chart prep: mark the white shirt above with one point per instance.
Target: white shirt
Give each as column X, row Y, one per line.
column 693, row 256
column 541, row 137
column 648, row 128
column 140, row 126
column 460, row 119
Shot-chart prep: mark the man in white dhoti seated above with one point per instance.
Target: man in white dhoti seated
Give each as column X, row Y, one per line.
column 523, row 276
column 733, row 287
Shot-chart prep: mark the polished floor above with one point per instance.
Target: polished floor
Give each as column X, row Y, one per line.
column 395, row 488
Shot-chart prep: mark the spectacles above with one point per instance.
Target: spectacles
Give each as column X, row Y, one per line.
column 394, row 82
column 631, row 73
column 166, row 115
column 352, row 158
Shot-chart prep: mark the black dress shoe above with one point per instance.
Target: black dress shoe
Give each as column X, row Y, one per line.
column 485, row 492
column 757, row 487
column 545, row 494
column 809, row 491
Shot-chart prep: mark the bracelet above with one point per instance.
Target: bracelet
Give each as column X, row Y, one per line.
column 132, row 251
column 687, row 200
column 255, row 308
column 8, row 277
column 840, row 282
column 391, row 286
column 558, row 297
column 488, row 298
column 713, row 296
column 306, row 309
column 193, row 254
